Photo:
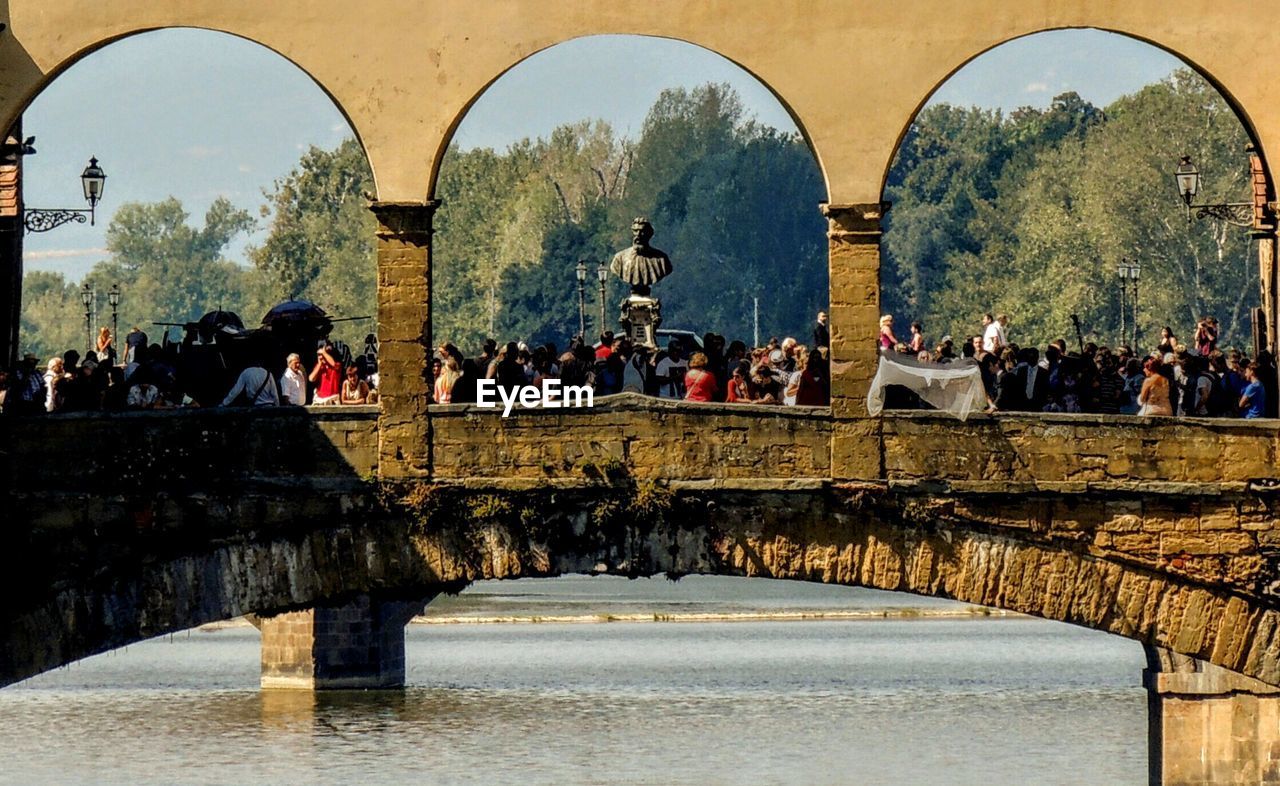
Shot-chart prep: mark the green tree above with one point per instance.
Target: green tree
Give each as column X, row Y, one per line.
column 168, row 270
column 321, row 244
column 1030, row 214
column 52, row 316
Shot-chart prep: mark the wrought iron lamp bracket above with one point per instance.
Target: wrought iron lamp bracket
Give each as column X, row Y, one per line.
column 42, row 220
column 1238, row 214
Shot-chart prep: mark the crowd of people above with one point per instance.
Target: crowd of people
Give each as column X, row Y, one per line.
column 188, row 374
column 783, row 372
column 1198, row 379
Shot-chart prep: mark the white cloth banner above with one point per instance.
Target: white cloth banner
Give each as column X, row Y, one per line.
column 954, row 388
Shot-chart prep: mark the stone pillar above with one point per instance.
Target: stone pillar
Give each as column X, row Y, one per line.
column 11, row 230
column 1208, row 725
column 356, row 645
column 404, row 336
column 1268, row 276
column 853, row 236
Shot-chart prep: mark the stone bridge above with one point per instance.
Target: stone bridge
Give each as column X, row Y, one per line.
column 334, row 525
column 129, row 526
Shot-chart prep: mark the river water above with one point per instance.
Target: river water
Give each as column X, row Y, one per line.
column 915, row 700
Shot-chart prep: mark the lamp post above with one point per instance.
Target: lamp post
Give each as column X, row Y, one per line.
column 93, row 180
column 1135, row 273
column 1122, row 270
column 1129, row 272
column 1188, row 179
column 581, row 271
column 603, row 273
column 88, row 297
column 113, row 297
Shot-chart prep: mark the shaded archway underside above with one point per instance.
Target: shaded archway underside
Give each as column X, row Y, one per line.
column 143, row 570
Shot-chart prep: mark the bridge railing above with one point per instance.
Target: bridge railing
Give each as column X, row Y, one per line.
column 1020, row 451
column 640, row 436
column 116, row 453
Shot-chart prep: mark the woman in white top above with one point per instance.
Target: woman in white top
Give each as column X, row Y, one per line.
column 793, row 380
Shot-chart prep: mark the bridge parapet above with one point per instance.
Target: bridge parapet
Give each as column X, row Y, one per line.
column 126, row 452
column 643, row 437
column 1016, row 452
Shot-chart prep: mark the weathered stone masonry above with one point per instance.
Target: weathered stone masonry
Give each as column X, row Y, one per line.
column 404, row 334
column 1186, row 565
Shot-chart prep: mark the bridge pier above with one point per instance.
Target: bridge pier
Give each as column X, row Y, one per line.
column 1208, row 725
column 356, row 645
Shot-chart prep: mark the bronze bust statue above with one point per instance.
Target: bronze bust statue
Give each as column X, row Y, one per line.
column 641, row 265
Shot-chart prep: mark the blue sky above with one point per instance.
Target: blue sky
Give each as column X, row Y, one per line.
column 198, row 115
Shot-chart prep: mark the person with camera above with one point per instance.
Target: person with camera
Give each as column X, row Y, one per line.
column 326, row 376
column 1206, row 337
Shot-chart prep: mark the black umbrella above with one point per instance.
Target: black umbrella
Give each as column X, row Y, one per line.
column 292, row 314
column 216, row 322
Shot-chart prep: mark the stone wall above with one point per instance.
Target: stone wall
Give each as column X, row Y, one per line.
column 1023, row 452
column 206, row 472
column 633, row 435
column 117, row 453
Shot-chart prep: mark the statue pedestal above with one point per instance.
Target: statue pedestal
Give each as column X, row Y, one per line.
column 640, row 318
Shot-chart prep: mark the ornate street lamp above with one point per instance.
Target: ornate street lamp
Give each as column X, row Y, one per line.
column 1129, row 272
column 113, row 297
column 1188, row 179
column 93, row 180
column 603, row 273
column 88, row 297
column 581, row 271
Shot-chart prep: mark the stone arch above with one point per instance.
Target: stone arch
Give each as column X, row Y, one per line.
column 849, row 538
column 39, row 85
column 450, row 131
column 1234, row 103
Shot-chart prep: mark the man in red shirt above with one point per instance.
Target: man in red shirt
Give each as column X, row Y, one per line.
column 606, row 345
column 326, row 376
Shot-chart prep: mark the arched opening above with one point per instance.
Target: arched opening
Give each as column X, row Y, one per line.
column 549, row 167
column 234, row 184
column 1038, row 182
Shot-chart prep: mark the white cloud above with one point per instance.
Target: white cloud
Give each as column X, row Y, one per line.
column 243, row 168
column 63, row 253
column 1036, row 87
column 203, row 151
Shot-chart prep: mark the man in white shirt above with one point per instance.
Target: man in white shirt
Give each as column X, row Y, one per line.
column 257, row 385
column 293, row 383
column 990, row 334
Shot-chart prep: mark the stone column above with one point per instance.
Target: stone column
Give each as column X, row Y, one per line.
column 1208, row 725
column 11, row 230
column 1268, row 275
column 853, row 236
column 404, row 336
column 356, row 645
